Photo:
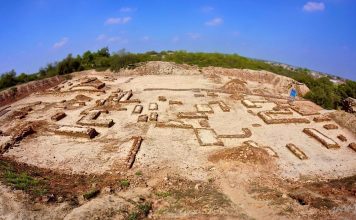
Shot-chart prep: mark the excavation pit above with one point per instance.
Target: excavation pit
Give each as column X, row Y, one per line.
column 204, row 108
column 153, row 116
column 142, row 118
column 138, row 109
column 246, row 133
column 207, row 137
column 269, row 118
column 153, row 107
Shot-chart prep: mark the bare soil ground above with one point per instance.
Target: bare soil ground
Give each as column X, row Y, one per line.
column 208, row 155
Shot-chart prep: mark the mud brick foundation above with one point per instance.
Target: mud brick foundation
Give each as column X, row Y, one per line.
column 153, row 116
column 245, row 134
column 138, row 109
column 93, row 115
column 75, row 131
column 296, row 151
column 192, row 115
column 133, row 151
column 106, row 123
column 323, row 139
column 342, row 138
column 142, row 118
column 321, row 118
column 353, row 146
column 268, row 119
column 207, row 137
column 250, row 104
column 175, row 102
column 330, row 126
column 153, row 107
column 162, row 98
column 58, row 116
column 303, row 112
column 126, row 96
column 222, row 105
column 174, row 124
column 212, row 94
column 204, row 108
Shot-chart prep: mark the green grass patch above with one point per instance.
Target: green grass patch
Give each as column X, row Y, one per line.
column 23, row 181
column 138, row 173
column 133, row 216
column 145, row 208
column 91, row 194
column 141, row 211
column 163, row 194
column 124, row 183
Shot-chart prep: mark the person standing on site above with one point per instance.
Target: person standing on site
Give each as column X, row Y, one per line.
column 293, row 94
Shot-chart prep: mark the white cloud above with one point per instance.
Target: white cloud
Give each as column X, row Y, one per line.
column 214, row 22
column 122, row 20
column 146, row 38
column 175, row 39
column 314, row 6
column 111, row 39
column 101, row 37
column 127, row 9
column 236, row 33
column 207, row 9
column 61, row 43
column 194, row 36
column 119, row 40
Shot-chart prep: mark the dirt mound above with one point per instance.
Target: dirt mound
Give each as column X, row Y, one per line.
column 344, row 119
column 162, row 68
column 281, row 84
column 235, row 86
column 245, row 154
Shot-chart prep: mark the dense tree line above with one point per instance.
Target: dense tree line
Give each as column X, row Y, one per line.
column 322, row 90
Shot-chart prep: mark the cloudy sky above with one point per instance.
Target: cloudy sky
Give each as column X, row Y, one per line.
column 319, row 35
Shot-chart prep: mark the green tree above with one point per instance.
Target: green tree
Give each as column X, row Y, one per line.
column 103, row 52
column 8, row 79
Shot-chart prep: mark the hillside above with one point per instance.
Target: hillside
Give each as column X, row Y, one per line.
column 322, row 91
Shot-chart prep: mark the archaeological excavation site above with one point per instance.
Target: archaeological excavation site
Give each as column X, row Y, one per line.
column 173, row 141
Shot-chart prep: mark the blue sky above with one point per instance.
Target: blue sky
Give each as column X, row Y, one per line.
column 319, row 35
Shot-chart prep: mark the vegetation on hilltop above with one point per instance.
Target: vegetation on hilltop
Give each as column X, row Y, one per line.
column 322, row 90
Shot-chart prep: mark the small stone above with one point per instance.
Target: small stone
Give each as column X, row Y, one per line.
column 60, row 199
column 108, row 189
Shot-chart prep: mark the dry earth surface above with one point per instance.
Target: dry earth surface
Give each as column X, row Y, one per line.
column 168, row 141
